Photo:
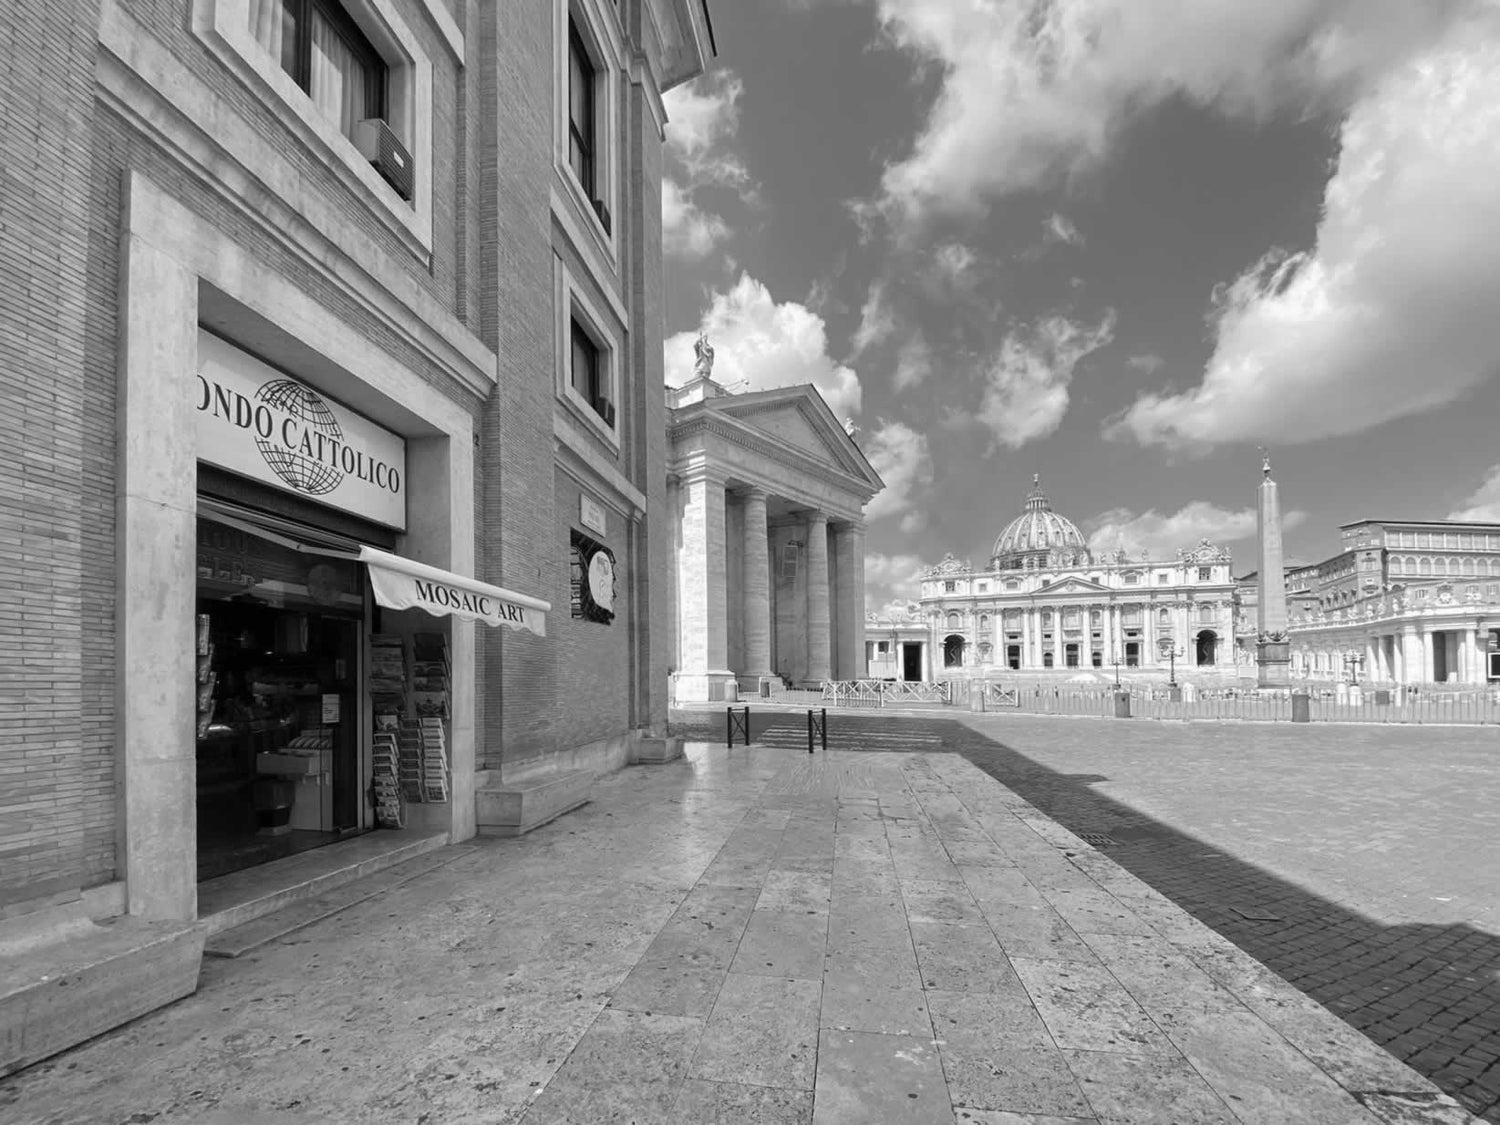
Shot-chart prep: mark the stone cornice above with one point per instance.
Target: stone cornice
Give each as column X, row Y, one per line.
column 797, row 459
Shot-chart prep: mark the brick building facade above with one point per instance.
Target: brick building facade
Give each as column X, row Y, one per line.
column 433, row 221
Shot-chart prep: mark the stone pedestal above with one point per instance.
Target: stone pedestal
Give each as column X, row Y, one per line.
column 1273, row 664
column 719, row 686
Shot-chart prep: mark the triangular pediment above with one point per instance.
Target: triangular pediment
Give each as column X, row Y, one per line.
column 798, row 419
column 1075, row 586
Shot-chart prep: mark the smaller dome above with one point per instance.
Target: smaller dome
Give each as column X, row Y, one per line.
column 1037, row 533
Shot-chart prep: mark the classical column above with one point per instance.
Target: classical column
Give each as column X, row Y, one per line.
column 757, row 608
column 849, row 541
column 1473, row 673
column 818, row 625
column 1427, row 669
column 1370, row 670
column 702, row 593
column 1411, row 655
column 1059, row 658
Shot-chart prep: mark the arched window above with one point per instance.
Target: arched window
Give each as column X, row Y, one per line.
column 1424, row 565
column 984, row 621
column 1046, row 619
column 1164, row 617
column 1206, row 614
column 953, row 621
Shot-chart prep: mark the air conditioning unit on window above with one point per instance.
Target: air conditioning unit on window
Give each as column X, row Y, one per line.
column 377, row 142
column 603, row 213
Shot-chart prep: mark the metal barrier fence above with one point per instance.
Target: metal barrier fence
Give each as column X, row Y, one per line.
column 1325, row 704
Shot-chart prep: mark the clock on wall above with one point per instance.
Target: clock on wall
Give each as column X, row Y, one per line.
column 593, row 579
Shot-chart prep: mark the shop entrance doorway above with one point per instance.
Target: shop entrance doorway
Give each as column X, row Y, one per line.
column 280, row 721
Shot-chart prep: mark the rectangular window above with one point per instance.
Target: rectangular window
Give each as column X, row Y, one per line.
column 587, row 374
column 582, row 135
column 326, row 54
column 949, row 587
column 1205, row 574
column 885, row 647
column 1161, row 579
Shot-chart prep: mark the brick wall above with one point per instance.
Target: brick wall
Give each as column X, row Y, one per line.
column 56, row 831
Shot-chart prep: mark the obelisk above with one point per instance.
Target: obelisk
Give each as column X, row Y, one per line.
column 1272, row 650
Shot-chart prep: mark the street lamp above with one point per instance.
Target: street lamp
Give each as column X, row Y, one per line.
column 1354, row 664
column 1170, row 650
column 1117, row 667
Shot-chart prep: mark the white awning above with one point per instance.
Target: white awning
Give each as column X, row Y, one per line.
column 400, row 583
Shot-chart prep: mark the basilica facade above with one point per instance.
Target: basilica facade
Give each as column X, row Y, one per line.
column 1045, row 601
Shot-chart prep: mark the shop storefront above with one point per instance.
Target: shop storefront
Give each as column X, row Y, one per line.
column 323, row 670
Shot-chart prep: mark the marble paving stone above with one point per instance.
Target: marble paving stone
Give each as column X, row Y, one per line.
column 763, row 1031
column 1262, row 1076
column 803, row 861
column 1163, row 980
column 666, row 988
column 780, row 943
column 1126, row 1089
column 929, row 900
column 856, row 1002
column 963, row 1115
column 1095, row 911
column 803, row 892
column 708, row 949
column 977, row 1020
column 727, row 872
column 627, row 1067
column 1085, row 1007
column 978, row 853
column 1018, row 1079
column 709, row 908
column 895, row 965
column 960, row 958
column 891, row 1079
column 733, row 1103
column 870, row 848
column 864, row 879
column 1035, row 931
column 869, row 917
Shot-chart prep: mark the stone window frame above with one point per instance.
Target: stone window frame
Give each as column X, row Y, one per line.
column 223, row 26
column 599, row 31
column 573, row 303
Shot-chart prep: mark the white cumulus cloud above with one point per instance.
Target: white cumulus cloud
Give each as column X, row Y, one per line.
column 702, row 119
column 877, row 320
column 1031, row 92
column 1483, row 504
column 1026, row 392
column 891, row 580
column 1060, row 228
column 1393, row 310
column 901, row 456
column 688, row 231
column 1161, row 534
column 760, row 343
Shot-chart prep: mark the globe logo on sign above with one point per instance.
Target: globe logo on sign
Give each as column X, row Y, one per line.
column 292, row 463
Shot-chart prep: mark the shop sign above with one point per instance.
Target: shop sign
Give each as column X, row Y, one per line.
column 257, row 422
column 591, row 515
column 400, row 583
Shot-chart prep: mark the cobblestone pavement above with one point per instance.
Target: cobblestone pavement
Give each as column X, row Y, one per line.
column 1360, row 863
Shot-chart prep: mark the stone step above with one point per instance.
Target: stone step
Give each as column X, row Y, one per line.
column 241, row 939
column 234, row 899
column 516, row 807
column 57, row 994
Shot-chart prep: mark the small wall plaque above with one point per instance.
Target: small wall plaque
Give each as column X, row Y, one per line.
column 591, row 515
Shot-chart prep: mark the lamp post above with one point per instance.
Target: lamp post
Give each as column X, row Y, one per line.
column 1117, row 667
column 1354, row 664
column 1170, row 650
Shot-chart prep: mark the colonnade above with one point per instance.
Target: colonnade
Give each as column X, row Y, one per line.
column 1412, row 652
column 767, row 587
column 1131, row 631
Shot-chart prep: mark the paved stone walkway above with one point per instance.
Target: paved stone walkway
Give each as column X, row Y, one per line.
column 1360, row 862
column 754, row 935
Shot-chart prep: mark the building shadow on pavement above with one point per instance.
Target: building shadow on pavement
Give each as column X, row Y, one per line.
column 1428, row 994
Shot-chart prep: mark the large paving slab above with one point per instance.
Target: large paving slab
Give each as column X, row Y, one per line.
column 755, row 935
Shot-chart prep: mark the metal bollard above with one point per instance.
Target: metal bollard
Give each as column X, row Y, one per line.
column 742, row 724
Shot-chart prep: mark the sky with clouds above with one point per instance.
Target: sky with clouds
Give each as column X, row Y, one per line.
column 1118, row 243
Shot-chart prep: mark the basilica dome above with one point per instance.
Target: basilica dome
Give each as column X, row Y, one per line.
column 1039, row 537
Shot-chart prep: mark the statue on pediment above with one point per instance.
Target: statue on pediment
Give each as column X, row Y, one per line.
column 703, row 365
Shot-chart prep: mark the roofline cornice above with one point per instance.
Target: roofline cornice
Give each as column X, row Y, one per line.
column 712, row 422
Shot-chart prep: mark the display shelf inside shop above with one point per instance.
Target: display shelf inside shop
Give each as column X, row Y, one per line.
column 409, row 692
